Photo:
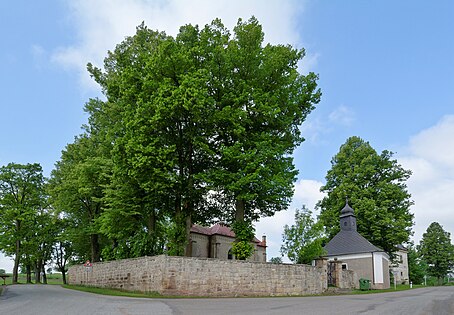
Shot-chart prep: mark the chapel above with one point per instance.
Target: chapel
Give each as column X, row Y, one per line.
column 357, row 253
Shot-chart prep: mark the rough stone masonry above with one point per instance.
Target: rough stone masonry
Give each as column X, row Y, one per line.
column 189, row 276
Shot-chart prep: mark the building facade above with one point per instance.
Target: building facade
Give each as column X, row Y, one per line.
column 400, row 267
column 217, row 241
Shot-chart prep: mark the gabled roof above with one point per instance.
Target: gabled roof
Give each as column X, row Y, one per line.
column 219, row 229
column 349, row 242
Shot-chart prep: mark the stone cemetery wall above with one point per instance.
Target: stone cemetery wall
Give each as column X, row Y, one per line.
column 189, row 276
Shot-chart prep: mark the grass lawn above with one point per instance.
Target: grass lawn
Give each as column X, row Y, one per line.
column 22, row 279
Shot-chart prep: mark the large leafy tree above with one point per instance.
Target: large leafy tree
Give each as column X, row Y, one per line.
column 375, row 185
column 201, row 127
column 302, row 241
column 21, row 197
column 437, row 251
column 155, row 116
column 260, row 101
column 76, row 193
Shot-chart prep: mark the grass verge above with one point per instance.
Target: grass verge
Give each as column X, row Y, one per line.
column 400, row 287
column 114, row 292
column 118, row 292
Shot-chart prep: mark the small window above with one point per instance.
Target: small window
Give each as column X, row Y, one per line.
column 345, row 223
column 344, row 267
column 229, row 255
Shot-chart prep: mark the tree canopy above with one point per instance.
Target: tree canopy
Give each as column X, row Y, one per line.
column 437, row 251
column 302, row 242
column 194, row 128
column 416, row 266
column 22, row 223
column 375, row 185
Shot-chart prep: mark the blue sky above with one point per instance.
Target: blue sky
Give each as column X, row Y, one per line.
column 386, row 72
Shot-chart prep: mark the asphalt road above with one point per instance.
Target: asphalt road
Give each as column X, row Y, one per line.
column 52, row 299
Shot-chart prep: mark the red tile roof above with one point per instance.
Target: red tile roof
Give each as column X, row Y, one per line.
column 219, row 229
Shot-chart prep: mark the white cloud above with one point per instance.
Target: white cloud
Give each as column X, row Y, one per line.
column 101, row 24
column 307, row 192
column 342, row 115
column 316, row 129
column 430, row 156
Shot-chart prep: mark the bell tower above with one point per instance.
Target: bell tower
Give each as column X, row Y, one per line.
column 347, row 218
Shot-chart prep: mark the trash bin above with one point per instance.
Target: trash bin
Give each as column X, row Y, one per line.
column 364, row 284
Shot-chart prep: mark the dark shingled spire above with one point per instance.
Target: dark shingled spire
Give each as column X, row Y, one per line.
column 347, row 210
column 347, row 217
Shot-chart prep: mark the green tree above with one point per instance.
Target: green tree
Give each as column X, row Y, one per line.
column 302, row 242
column 276, row 260
column 40, row 243
column 437, row 251
column 376, row 188
column 260, row 100
column 76, row 192
column 156, row 114
column 201, row 127
column 21, row 197
column 242, row 248
column 62, row 249
column 416, row 266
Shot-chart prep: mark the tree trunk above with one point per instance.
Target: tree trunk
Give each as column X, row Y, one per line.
column 43, row 270
column 240, row 205
column 188, row 248
column 28, row 271
column 178, row 220
column 63, row 275
column 95, row 255
column 152, row 232
column 16, row 263
column 38, row 267
column 36, row 271
column 17, row 256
